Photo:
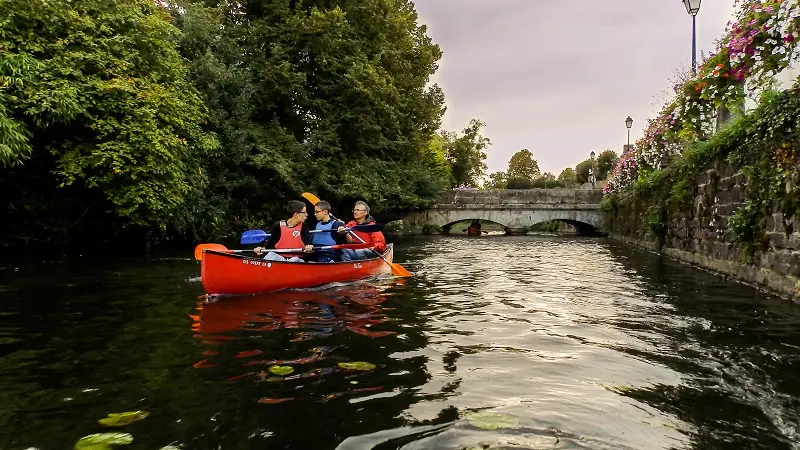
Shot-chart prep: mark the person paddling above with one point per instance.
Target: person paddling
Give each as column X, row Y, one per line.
column 361, row 216
column 289, row 233
column 322, row 212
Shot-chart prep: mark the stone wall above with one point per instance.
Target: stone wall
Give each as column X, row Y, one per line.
column 699, row 234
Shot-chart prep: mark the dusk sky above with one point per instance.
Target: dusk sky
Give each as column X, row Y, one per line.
column 559, row 77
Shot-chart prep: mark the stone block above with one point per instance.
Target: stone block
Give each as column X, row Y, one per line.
column 778, row 218
column 770, row 226
column 735, row 194
column 794, row 264
column 793, row 242
column 777, row 240
column 782, row 262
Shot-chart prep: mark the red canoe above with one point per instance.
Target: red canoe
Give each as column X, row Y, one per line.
column 231, row 274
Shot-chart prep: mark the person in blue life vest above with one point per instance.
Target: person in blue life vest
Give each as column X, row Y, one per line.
column 322, row 212
column 289, row 233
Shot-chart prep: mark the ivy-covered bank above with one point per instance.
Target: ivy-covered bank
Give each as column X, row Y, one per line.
column 728, row 203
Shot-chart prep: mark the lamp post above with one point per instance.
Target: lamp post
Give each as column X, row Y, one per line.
column 629, row 124
column 591, row 175
column 692, row 7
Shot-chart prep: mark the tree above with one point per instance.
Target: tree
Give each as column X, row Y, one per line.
column 567, row 176
column 467, row 154
column 582, row 171
column 606, row 161
column 547, row 176
column 497, row 180
column 523, row 165
column 104, row 119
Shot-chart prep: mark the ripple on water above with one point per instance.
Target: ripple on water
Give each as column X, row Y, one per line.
column 496, row 342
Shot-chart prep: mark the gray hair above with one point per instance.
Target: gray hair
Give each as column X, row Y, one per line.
column 364, row 204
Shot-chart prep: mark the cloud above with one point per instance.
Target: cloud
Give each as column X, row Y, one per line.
column 560, row 77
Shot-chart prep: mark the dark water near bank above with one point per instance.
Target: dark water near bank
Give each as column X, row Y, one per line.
column 553, row 342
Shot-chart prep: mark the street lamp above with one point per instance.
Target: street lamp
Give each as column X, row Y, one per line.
column 592, row 175
column 629, row 124
column 692, row 7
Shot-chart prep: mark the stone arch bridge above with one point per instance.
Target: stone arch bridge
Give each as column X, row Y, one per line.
column 516, row 209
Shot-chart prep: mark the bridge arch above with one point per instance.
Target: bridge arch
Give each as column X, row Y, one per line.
column 515, row 209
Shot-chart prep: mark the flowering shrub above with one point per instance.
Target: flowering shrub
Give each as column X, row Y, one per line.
column 758, row 44
column 624, row 174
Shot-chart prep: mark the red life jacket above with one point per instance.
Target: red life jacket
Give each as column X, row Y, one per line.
column 375, row 237
column 290, row 238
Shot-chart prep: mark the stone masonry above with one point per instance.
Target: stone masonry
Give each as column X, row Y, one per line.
column 702, row 238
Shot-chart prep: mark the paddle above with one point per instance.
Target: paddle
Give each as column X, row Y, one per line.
column 258, row 236
column 397, row 269
column 198, row 251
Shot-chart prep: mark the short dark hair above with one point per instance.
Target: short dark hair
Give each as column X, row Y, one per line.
column 294, row 206
column 323, row 205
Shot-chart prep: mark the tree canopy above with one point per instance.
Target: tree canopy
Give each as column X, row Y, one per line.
column 202, row 119
column 523, row 165
column 467, row 154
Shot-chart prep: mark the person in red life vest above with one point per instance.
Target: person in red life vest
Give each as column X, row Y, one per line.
column 289, row 233
column 361, row 216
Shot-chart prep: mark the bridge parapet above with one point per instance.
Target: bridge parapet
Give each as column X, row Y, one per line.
column 507, row 197
column 516, row 209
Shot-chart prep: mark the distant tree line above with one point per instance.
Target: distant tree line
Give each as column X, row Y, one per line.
column 523, row 172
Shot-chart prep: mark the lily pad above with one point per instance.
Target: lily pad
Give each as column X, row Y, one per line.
column 357, row 365
column 103, row 441
column 281, row 370
column 122, row 419
column 491, row 421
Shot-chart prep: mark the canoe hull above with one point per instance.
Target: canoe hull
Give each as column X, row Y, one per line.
column 229, row 274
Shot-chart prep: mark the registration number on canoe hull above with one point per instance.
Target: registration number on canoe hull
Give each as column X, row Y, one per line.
column 253, row 262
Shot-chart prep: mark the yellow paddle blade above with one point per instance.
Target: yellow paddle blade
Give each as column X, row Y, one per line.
column 198, row 251
column 313, row 199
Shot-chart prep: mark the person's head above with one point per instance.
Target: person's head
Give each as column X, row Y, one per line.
column 297, row 210
column 322, row 211
column 360, row 210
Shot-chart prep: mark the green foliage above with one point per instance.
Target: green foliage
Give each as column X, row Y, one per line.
column 609, row 204
column 682, row 195
column 523, row 165
column 467, row 154
column 190, row 121
column 551, row 226
column 606, row 161
column 764, row 145
column 123, row 419
column 567, row 176
column 745, row 226
column 655, row 219
column 103, row 441
column 104, row 107
column 497, row 180
column 582, row 171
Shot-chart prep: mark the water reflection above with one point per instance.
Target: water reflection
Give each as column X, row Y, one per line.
column 563, row 343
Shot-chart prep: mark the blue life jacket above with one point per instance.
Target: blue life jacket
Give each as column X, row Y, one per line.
column 324, row 238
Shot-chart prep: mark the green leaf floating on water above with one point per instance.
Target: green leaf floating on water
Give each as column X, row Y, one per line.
column 358, row 365
column 122, row 419
column 103, row 441
column 492, row 421
column 281, row 370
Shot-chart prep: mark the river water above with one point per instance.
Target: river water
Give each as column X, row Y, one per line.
column 497, row 342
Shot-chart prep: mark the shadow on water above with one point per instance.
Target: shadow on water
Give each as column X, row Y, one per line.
column 738, row 349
